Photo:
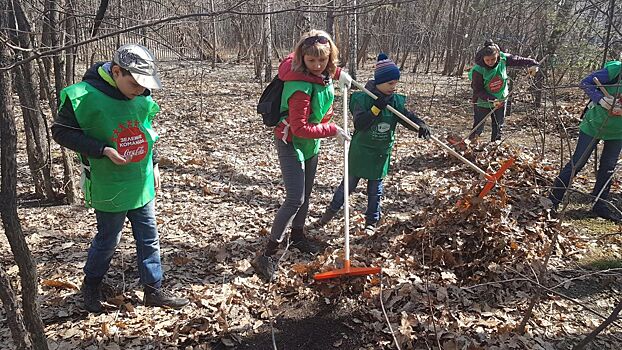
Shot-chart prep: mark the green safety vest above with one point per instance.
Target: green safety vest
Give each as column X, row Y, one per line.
column 322, row 97
column 370, row 150
column 126, row 126
column 495, row 80
column 597, row 122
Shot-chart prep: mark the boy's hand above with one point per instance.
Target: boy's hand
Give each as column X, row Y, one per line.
column 115, row 157
column 424, row 131
column 381, row 103
column 156, row 178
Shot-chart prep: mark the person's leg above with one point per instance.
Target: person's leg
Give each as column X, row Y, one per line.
column 310, row 167
column 374, row 195
column 585, row 147
column 498, row 120
column 103, row 246
column 338, row 199
column 479, row 113
column 147, row 242
column 606, row 168
column 145, row 231
column 293, row 173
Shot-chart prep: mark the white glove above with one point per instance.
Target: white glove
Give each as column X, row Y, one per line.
column 341, row 135
column 617, row 111
column 607, row 102
column 532, row 71
column 345, row 80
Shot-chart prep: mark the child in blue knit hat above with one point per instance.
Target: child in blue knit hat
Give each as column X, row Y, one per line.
column 372, row 142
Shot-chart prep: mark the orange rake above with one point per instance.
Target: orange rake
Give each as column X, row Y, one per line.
column 491, row 179
column 347, row 270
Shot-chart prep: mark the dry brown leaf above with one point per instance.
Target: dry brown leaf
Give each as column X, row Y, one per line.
column 59, row 284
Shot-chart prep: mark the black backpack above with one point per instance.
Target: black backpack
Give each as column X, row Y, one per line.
column 269, row 105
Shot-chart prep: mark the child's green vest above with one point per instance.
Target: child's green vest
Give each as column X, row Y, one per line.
column 597, row 121
column 322, row 97
column 495, row 80
column 126, row 126
column 370, row 150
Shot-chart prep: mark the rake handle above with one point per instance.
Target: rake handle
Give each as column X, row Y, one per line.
column 432, row 137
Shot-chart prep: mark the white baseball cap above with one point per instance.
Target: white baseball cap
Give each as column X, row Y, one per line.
column 141, row 63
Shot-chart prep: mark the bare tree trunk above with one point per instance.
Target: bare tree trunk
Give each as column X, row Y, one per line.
column 37, row 139
column 101, row 11
column 330, row 18
column 609, row 25
column 213, row 35
column 362, row 52
column 8, row 203
column 353, row 42
column 267, row 43
column 562, row 21
column 7, row 294
column 13, row 315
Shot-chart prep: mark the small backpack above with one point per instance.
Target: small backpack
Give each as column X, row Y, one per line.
column 269, row 105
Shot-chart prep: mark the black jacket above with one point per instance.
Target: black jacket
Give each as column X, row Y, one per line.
column 67, row 132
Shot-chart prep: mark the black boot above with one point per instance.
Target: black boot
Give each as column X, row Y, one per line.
column 302, row 243
column 265, row 266
column 328, row 215
column 159, row 297
column 602, row 211
column 92, row 296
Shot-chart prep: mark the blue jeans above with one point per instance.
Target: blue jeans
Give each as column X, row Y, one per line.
column 374, row 194
column 109, row 227
column 298, row 178
column 497, row 118
column 608, row 159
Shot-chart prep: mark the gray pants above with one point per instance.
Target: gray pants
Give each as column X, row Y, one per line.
column 298, row 178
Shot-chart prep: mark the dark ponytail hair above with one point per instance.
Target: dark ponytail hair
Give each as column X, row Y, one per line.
column 489, row 49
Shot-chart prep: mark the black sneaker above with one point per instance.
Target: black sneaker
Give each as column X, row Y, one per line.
column 307, row 245
column 328, row 215
column 162, row 298
column 265, row 266
column 604, row 212
column 92, row 296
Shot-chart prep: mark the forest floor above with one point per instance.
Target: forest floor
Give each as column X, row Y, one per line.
column 454, row 277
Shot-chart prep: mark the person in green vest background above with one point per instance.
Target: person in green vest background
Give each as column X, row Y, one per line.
column 489, row 81
column 602, row 120
column 372, row 142
column 107, row 119
column 308, row 95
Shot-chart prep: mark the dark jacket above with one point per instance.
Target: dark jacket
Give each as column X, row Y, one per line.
column 67, row 132
column 363, row 119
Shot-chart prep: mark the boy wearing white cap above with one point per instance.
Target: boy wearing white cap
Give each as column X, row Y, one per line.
column 107, row 119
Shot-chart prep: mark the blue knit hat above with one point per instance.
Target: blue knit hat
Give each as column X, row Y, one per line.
column 386, row 70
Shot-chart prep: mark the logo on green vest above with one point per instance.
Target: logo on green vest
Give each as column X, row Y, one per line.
column 131, row 142
column 495, row 84
column 383, row 127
